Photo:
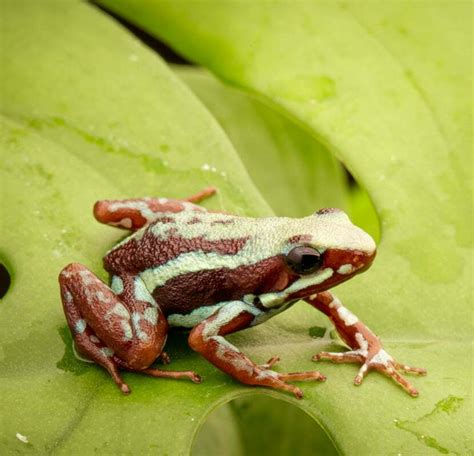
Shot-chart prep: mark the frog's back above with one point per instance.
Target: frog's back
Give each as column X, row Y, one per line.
column 172, row 235
column 189, row 260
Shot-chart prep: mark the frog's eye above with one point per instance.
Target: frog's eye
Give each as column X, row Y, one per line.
column 304, row 259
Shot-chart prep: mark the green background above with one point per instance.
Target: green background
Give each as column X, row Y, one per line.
column 88, row 112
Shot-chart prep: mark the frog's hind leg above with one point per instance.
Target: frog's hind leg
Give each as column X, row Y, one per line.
column 207, row 338
column 122, row 327
column 133, row 214
column 86, row 343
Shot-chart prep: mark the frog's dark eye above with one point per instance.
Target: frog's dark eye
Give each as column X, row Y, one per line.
column 304, row 259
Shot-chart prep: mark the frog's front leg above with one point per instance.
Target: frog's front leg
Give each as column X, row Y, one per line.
column 207, row 339
column 366, row 346
column 133, row 214
column 122, row 327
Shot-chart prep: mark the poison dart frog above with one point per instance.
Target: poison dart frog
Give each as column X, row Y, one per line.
column 215, row 274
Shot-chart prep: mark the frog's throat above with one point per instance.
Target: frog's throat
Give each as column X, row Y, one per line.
column 278, row 298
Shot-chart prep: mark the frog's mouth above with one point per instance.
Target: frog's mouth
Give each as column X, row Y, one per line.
column 337, row 267
column 348, row 262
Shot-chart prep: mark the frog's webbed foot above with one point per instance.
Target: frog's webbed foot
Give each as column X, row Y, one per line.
column 376, row 358
column 366, row 346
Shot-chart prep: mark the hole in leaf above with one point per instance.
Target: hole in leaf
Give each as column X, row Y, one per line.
column 260, row 424
column 5, row 280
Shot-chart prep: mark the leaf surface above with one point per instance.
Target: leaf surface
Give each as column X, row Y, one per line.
column 277, row 153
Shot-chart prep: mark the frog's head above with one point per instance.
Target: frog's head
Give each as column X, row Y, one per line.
column 321, row 251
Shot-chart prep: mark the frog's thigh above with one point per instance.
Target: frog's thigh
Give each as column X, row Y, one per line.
column 128, row 322
column 133, row 214
column 85, row 339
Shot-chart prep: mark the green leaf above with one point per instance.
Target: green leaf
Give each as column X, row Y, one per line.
column 386, row 88
column 295, row 174
column 277, row 154
column 89, row 113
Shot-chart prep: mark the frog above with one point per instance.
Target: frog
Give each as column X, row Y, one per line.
column 212, row 274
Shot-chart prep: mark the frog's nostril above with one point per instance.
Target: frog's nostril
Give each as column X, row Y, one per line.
column 5, row 280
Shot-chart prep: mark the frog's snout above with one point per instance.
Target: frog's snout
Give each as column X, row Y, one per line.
column 367, row 260
column 361, row 259
column 346, row 263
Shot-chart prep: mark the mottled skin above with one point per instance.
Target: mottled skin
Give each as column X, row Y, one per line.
column 216, row 274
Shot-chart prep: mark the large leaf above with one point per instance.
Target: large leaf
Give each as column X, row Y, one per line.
column 386, row 88
column 277, row 153
column 89, row 113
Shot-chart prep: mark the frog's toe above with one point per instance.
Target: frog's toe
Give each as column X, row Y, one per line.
column 165, row 358
column 119, row 382
column 410, row 370
column 390, row 369
column 112, row 368
column 385, row 364
column 125, row 388
column 339, row 357
column 302, row 376
column 361, row 374
column 271, row 362
column 196, row 378
column 298, row 393
column 282, row 385
column 158, row 373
